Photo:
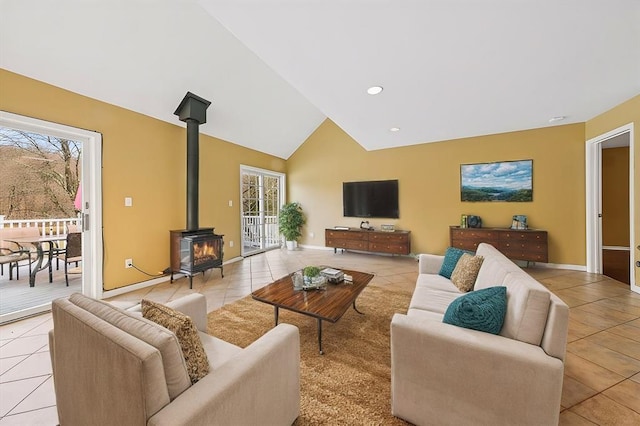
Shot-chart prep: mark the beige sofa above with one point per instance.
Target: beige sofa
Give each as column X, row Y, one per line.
column 104, row 375
column 448, row 375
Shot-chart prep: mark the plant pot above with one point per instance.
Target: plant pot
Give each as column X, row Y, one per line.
column 314, row 283
column 292, row 245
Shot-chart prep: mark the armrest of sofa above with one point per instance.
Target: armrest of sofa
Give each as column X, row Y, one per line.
column 261, row 385
column 446, row 372
column 429, row 263
column 193, row 305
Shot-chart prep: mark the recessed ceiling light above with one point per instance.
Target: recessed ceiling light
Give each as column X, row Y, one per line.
column 374, row 90
column 557, row 118
column 394, row 129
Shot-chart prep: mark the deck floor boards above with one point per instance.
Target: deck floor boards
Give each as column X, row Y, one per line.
column 16, row 295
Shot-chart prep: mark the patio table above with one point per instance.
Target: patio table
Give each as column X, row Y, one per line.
column 38, row 242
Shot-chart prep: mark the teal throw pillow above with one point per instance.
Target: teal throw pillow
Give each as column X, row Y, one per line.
column 481, row 310
column 451, row 257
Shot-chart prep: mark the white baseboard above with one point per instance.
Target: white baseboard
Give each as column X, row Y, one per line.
column 620, row 248
column 582, row 268
column 144, row 284
column 306, row 246
column 373, row 253
column 133, row 287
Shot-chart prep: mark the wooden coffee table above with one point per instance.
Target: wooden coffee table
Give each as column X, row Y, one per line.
column 324, row 305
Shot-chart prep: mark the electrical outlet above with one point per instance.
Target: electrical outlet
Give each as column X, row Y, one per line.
column 230, row 243
column 128, row 263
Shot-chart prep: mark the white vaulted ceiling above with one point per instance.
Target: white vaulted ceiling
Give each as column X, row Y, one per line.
column 275, row 69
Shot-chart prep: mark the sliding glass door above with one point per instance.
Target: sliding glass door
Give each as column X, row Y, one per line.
column 262, row 195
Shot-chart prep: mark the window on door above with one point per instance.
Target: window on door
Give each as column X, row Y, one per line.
column 262, row 195
column 46, row 164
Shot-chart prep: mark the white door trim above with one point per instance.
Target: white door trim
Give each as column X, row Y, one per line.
column 593, row 200
column 281, row 193
column 92, row 268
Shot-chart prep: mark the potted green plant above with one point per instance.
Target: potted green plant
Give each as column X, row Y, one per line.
column 311, row 271
column 312, row 279
column 290, row 221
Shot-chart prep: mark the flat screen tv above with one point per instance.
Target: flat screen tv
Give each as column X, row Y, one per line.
column 371, row 199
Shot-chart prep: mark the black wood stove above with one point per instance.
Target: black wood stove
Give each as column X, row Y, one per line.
column 194, row 249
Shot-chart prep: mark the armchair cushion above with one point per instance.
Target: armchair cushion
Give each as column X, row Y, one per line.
column 186, row 332
column 481, row 310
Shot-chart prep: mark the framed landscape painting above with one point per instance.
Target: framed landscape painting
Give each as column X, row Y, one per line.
column 510, row 181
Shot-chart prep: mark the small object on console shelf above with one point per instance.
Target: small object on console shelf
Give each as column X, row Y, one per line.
column 519, row 222
column 474, row 221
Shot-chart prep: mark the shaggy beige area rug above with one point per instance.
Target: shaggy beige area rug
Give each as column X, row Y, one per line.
column 351, row 383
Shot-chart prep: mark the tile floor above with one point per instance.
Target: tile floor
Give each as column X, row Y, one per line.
column 602, row 370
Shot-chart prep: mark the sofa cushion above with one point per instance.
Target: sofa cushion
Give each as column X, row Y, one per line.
column 482, row 310
column 424, row 315
column 175, row 368
column 493, row 272
column 436, row 282
column 527, row 308
column 451, row 257
column 186, row 332
column 432, row 300
column 466, row 271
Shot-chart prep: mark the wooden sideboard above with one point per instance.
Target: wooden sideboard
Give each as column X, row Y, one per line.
column 516, row 244
column 396, row 242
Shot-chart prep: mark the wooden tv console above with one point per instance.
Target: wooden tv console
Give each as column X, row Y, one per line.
column 516, row 244
column 396, row 242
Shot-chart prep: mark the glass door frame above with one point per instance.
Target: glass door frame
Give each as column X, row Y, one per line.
column 263, row 229
column 91, row 181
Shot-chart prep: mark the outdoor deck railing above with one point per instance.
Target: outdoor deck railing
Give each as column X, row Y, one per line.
column 251, row 237
column 252, row 231
column 46, row 227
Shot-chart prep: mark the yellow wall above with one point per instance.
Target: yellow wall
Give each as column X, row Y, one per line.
column 429, row 185
column 623, row 114
column 615, row 197
column 145, row 159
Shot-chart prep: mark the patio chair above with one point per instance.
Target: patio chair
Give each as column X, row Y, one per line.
column 59, row 251
column 12, row 253
column 72, row 254
column 12, row 257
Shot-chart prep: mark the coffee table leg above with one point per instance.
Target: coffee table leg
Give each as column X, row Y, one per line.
column 356, row 309
column 320, row 336
column 277, row 310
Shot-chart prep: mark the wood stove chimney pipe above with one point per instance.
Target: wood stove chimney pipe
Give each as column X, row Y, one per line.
column 193, row 111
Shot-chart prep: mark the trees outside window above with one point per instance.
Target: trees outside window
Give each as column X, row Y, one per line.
column 39, row 175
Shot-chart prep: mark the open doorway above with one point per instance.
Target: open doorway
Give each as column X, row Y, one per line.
column 610, row 189
column 86, row 218
column 616, row 248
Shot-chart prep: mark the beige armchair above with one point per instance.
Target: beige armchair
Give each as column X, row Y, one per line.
column 113, row 367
